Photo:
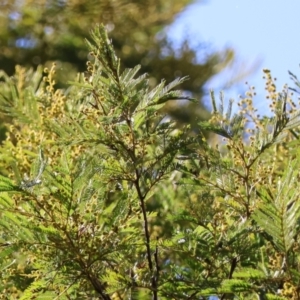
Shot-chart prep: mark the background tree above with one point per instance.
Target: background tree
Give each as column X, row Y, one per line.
column 42, row 31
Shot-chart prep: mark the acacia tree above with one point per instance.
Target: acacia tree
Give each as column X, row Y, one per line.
column 118, row 203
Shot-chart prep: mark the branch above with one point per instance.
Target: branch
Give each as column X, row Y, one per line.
column 147, row 235
column 232, row 268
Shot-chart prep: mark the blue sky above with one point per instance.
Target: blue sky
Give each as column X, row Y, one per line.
column 263, row 33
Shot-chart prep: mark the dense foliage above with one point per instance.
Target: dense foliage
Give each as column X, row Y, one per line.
column 104, row 197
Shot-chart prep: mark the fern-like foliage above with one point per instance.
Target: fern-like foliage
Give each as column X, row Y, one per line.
column 104, row 196
column 278, row 214
column 85, row 164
